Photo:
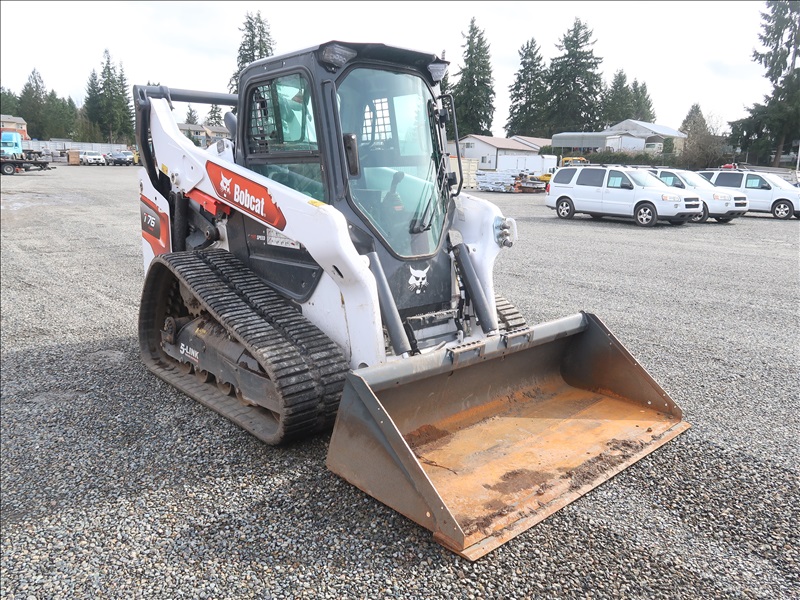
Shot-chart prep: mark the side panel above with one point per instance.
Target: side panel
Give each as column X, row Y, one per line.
column 155, row 221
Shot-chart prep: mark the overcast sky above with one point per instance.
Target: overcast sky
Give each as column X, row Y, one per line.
column 686, row 52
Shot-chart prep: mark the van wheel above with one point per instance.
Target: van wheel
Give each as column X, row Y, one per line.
column 565, row 209
column 782, row 210
column 646, row 215
column 701, row 218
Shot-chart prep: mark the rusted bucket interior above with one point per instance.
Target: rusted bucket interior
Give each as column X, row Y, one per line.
column 504, row 442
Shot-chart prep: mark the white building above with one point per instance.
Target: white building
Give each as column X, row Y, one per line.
column 519, row 153
column 627, row 136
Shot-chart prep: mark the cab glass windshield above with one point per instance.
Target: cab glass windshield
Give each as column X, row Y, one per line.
column 400, row 189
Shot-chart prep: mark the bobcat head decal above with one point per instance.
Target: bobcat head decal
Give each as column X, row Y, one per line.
column 225, row 184
column 418, row 280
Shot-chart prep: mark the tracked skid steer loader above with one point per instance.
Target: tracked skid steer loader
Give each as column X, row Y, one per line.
column 319, row 269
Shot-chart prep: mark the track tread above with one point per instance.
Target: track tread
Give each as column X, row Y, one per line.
column 307, row 368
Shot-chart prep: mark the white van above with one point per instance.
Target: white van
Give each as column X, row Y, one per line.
column 766, row 192
column 721, row 205
column 619, row 191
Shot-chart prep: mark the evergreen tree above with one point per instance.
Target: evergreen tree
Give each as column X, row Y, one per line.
column 32, row 104
column 701, row 147
column 60, row 116
column 91, row 106
column 642, row 105
column 214, row 117
column 109, row 119
column 108, row 103
column 124, row 105
column 528, row 94
column 694, row 124
column 575, row 83
column 256, row 43
column 191, row 116
column 9, row 103
column 780, row 37
column 753, row 134
column 618, row 101
column 474, row 92
column 85, row 129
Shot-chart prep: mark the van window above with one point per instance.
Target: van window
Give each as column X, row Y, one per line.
column 669, row 178
column 591, row 177
column 729, row 179
column 754, row 182
column 616, row 179
column 564, row 175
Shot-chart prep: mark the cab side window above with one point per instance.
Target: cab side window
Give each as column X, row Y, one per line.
column 281, row 136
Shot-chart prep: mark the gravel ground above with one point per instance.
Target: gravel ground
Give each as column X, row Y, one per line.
column 114, row 485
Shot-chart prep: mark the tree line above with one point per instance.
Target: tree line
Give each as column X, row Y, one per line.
column 568, row 94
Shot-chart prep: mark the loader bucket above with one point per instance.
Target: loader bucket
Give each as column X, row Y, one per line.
column 482, row 442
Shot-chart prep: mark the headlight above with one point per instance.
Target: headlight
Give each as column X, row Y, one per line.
column 670, row 198
column 724, row 197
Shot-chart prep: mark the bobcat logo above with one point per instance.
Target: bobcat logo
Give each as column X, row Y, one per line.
column 225, row 184
column 418, row 280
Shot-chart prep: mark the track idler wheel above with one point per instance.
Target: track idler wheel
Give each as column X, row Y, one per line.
column 203, row 376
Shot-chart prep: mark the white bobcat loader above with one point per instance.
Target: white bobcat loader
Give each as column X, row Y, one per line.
column 321, row 269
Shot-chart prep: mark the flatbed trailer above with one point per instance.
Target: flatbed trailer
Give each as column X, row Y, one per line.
column 10, row 166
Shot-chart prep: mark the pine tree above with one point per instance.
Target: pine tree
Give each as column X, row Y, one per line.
column 618, row 101
column 700, row 147
column 528, row 94
column 214, row 117
column 32, row 100
column 575, row 83
column 780, row 37
column 642, row 105
column 61, row 115
column 694, row 124
column 124, row 105
column 474, row 92
column 109, row 119
column 91, row 106
column 191, row 116
column 9, row 103
column 256, row 44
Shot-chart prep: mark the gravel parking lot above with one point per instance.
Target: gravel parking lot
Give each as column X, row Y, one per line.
column 114, row 485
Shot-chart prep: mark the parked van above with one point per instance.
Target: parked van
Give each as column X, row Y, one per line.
column 721, row 205
column 619, row 191
column 766, row 192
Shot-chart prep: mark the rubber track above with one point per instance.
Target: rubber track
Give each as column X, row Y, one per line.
column 307, row 368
